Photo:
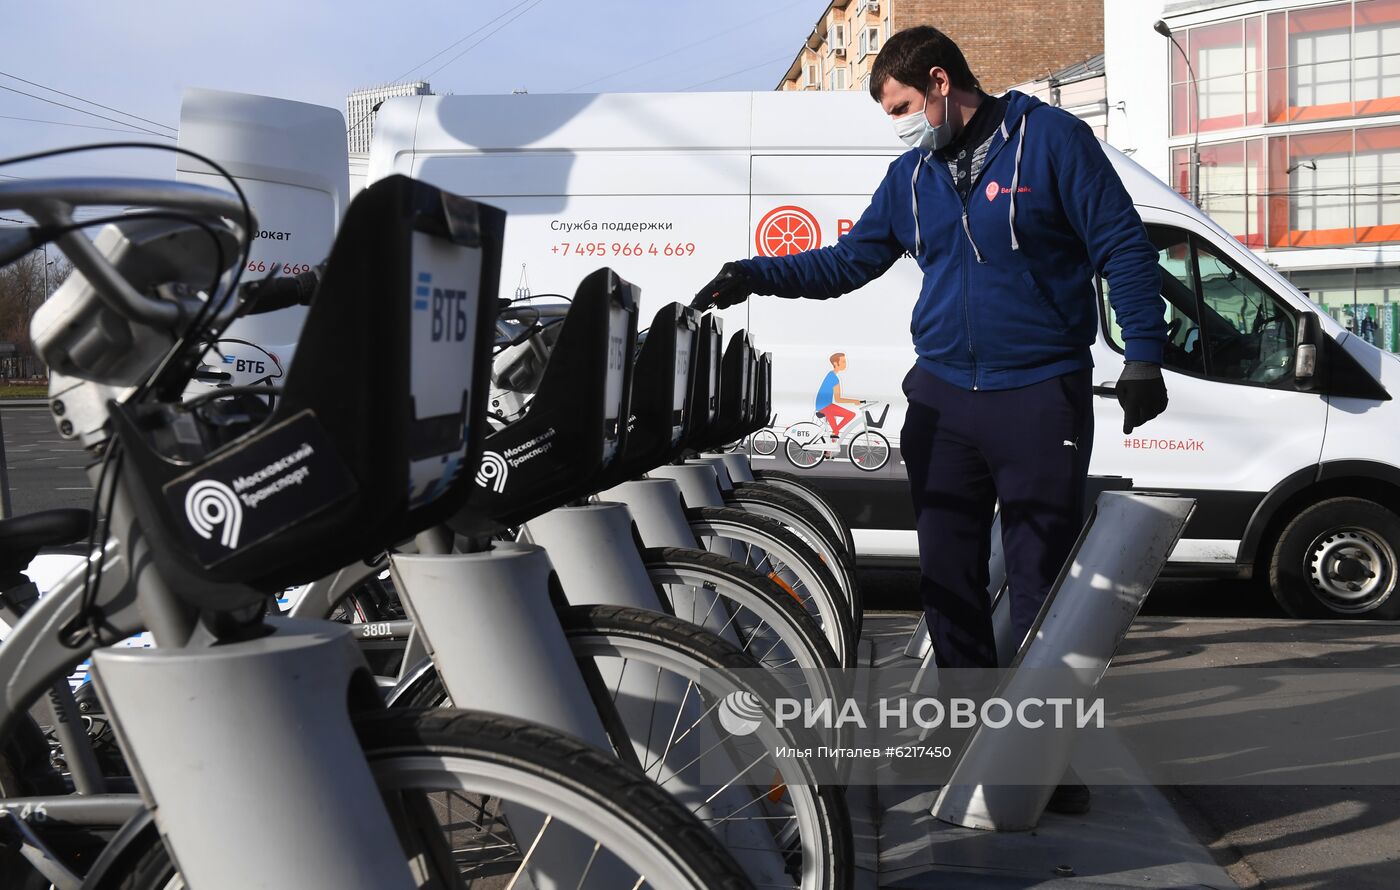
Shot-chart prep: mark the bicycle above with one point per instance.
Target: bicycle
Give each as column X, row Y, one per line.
column 807, row 443
column 362, row 794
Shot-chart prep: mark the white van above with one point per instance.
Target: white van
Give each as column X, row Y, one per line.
column 1297, row 478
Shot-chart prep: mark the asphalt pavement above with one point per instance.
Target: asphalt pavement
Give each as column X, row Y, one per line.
column 45, row 470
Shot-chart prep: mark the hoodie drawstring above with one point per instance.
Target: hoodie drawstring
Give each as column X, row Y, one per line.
column 1016, row 182
column 914, row 192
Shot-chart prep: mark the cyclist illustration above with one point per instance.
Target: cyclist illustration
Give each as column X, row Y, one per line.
column 830, row 400
column 808, row 442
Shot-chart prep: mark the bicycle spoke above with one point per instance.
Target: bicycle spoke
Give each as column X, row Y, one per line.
column 708, row 711
column 534, row 844
column 721, row 789
column 670, row 742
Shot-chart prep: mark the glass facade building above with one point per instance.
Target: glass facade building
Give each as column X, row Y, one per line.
column 1295, row 112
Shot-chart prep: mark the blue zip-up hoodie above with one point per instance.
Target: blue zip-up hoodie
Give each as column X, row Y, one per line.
column 1008, row 297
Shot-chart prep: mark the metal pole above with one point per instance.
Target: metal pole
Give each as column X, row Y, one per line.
column 4, row 473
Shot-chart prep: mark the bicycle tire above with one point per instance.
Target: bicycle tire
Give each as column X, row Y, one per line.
column 800, row 456
column 867, row 437
column 659, row 640
column 790, row 503
column 801, row 518
column 445, row 750
column 769, row 440
column 807, row 580
column 796, row 485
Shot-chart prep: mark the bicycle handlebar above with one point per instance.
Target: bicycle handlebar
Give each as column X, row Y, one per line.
column 52, row 201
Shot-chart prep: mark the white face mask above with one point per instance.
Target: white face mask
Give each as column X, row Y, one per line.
column 915, row 131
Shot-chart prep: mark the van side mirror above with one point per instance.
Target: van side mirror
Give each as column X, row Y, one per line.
column 1306, row 353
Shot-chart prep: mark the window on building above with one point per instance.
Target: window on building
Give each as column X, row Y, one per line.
column 1312, row 63
column 1337, row 60
column 1375, row 183
column 814, row 76
column 1320, row 187
column 838, row 78
column 1221, row 323
column 1334, row 188
column 836, row 37
column 1228, row 67
column 1376, row 55
column 1233, row 187
column 1319, row 72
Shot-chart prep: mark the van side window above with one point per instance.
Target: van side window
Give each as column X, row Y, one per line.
column 1184, row 350
column 1251, row 332
column 1221, row 324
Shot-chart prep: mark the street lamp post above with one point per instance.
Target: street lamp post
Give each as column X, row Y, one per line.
column 1195, row 172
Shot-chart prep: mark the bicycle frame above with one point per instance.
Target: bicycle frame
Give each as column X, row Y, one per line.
column 240, row 690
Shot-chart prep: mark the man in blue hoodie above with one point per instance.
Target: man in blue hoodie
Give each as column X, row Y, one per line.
column 1010, row 207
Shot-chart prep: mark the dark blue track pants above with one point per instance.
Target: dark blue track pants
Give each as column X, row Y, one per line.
column 964, row 451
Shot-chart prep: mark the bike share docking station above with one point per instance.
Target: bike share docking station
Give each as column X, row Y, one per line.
column 1122, row 548
column 1121, row 551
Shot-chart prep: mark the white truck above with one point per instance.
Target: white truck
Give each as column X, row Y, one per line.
column 1281, row 423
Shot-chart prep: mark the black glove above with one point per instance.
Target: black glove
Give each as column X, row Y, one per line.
column 729, row 288
column 1142, row 393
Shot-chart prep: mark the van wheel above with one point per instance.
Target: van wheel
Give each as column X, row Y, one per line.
column 1338, row 559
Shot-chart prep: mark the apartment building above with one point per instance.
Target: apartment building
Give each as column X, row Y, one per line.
column 1008, row 43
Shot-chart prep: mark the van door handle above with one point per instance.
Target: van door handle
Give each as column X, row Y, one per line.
column 1106, row 389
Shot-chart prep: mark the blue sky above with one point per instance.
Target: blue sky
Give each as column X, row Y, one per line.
column 137, row 55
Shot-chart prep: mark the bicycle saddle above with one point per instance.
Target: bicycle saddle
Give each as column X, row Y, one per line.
column 660, row 390
column 357, row 455
column 574, row 426
column 22, row 537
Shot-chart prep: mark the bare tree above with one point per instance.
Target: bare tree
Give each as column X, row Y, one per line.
column 22, row 291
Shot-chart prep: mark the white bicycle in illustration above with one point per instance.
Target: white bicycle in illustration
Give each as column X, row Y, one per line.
column 809, row 442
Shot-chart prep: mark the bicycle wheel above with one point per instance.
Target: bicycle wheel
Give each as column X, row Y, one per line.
column 764, row 442
column 766, row 547
column 798, row 454
column 869, row 450
column 480, row 801
column 798, row 517
column 795, row 485
column 776, row 629
column 664, row 681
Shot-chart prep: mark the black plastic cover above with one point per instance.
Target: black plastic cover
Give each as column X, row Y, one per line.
column 574, row 426
column 379, row 426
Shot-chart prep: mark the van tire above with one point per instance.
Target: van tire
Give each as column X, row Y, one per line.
column 1339, row 558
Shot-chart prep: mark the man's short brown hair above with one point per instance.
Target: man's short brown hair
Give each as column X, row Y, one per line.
column 835, row 356
column 908, row 56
